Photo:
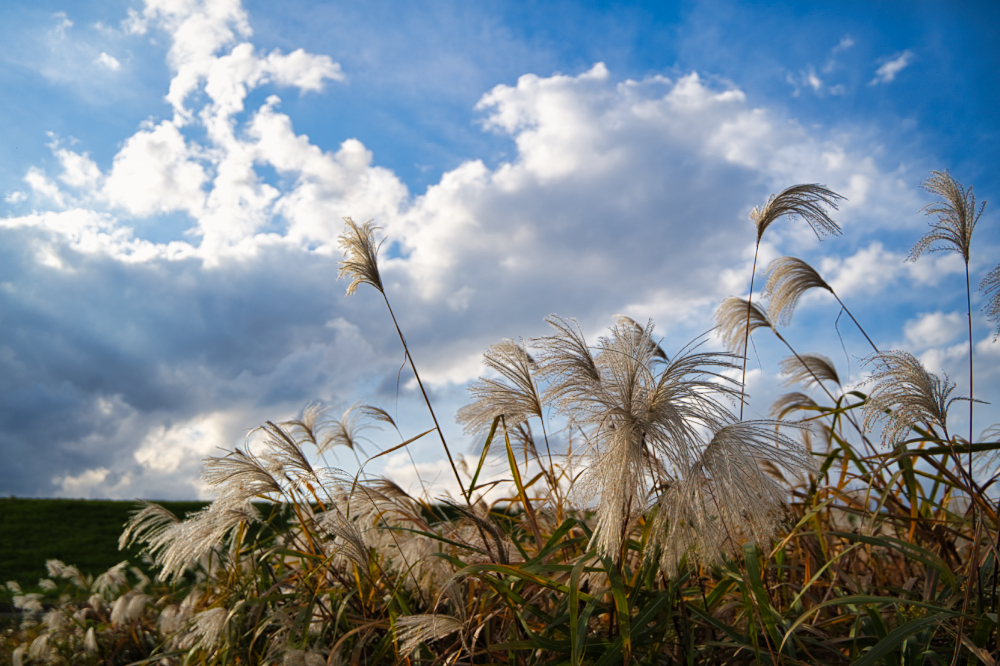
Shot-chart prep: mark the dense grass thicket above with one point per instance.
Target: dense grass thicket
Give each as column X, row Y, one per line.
column 647, row 521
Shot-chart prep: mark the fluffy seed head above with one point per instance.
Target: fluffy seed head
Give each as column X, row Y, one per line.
column 805, row 201
column 956, row 217
column 515, row 395
column 789, row 278
column 905, row 393
column 360, row 255
column 809, row 369
column 412, row 630
column 731, row 316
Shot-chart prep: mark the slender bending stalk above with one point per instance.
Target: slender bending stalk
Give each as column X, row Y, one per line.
column 361, row 265
column 807, row 202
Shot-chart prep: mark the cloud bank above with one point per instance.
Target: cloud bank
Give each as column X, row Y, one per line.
column 161, row 305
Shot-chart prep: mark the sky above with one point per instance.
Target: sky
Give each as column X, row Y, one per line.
column 174, row 174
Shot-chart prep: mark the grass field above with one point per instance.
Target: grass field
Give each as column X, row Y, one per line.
column 79, row 532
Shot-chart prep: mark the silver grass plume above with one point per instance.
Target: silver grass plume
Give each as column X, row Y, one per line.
column 809, row 369
column 412, row 630
column 242, row 475
column 640, row 331
column 956, row 217
column 806, row 201
column 147, row 523
column 732, row 318
column 566, row 363
column 904, row 394
column 360, row 256
column 788, row 279
column 990, row 286
column 514, row 395
column 792, row 402
column 729, row 496
column 181, row 545
column 635, row 411
column 324, row 433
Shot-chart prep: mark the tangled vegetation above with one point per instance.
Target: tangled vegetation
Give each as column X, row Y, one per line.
column 648, row 522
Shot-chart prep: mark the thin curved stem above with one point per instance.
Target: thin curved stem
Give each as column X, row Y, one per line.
column 855, row 321
column 746, row 334
column 416, row 374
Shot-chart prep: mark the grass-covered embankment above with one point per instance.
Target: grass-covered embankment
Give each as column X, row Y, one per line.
column 80, row 532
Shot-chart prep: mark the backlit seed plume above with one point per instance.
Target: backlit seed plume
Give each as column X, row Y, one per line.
column 792, row 402
column 806, row 201
column 956, row 217
column 905, row 394
column 633, row 410
column 990, row 286
column 639, row 330
column 412, row 630
column 731, row 316
column 514, row 395
column 727, row 498
column 566, row 363
column 809, row 369
column 789, row 278
column 360, row 256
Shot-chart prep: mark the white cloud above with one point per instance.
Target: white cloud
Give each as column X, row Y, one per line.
column 108, row 61
column 79, row 171
column 887, row 72
column 165, row 448
column 873, row 270
column 845, row 43
column 15, row 197
column 43, row 187
column 156, row 171
column 83, row 484
column 622, row 196
column 933, row 329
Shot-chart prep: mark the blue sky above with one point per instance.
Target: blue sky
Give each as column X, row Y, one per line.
column 173, row 174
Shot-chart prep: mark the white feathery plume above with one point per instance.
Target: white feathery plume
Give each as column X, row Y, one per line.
column 805, row 201
column 181, row 545
column 566, row 363
column 790, row 402
column 635, row 411
column 905, row 393
column 113, row 580
column 41, row 649
column 360, row 256
column 788, row 279
column 129, row 607
column 809, row 369
column 514, row 395
column 90, row 641
column 207, row 628
column 412, row 630
column 147, row 523
column 727, row 498
column 957, row 216
column 732, row 318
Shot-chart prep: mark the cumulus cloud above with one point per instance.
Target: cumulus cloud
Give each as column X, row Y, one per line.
column 886, row 73
column 621, row 196
column 108, row 61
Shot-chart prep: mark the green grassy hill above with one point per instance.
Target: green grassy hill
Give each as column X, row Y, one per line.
column 79, row 532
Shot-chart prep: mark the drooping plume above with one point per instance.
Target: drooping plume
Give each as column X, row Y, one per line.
column 360, row 256
column 806, row 201
column 788, row 279
column 904, row 394
column 735, row 324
